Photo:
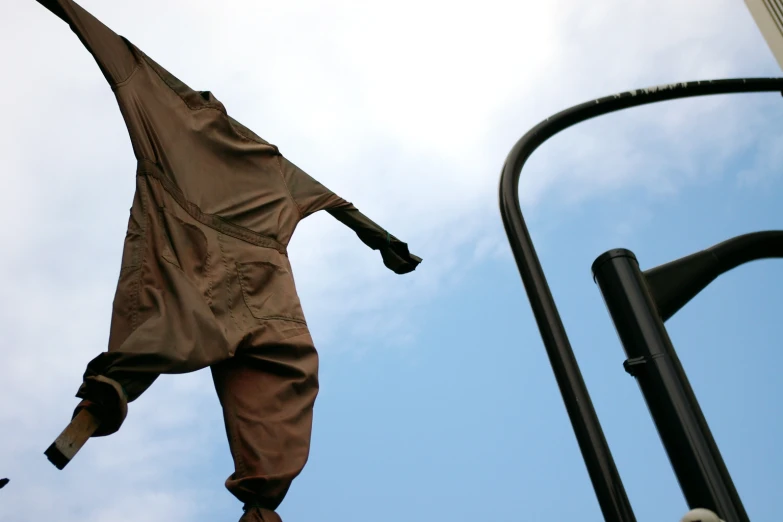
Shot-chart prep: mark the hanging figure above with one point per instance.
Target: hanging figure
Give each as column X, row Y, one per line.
column 205, row 280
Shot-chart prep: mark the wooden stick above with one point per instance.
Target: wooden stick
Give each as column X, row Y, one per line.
column 71, row 440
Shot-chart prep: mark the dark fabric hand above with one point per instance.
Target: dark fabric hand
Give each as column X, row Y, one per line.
column 397, row 258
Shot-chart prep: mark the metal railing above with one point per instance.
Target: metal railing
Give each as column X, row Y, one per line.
column 601, row 468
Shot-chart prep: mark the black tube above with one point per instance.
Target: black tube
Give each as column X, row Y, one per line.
column 677, row 282
column 692, row 451
column 592, row 442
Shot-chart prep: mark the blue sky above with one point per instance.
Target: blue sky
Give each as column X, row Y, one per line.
column 437, row 400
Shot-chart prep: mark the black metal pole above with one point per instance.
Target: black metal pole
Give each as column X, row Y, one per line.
column 692, row 451
column 590, row 437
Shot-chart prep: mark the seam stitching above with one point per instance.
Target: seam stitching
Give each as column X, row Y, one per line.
column 212, row 221
column 288, row 189
column 228, row 282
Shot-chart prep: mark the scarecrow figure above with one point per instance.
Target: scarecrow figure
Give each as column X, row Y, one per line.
column 205, row 280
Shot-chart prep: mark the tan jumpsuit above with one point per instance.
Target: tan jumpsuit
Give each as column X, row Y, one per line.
column 205, row 280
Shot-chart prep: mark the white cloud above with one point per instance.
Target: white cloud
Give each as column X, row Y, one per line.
column 408, row 110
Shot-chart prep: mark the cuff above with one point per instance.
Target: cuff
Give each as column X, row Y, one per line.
column 397, row 258
column 105, row 399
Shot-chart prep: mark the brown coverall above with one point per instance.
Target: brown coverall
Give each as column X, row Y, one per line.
column 205, row 280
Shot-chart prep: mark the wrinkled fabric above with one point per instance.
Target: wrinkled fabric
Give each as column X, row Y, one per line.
column 205, row 279
column 260, row 515
column 267, row 391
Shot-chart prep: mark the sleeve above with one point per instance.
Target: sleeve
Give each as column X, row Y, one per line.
column 113, row 55
column 311, row 196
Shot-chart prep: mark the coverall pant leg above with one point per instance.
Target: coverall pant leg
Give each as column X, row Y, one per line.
column 164, row 311
column 267, row 391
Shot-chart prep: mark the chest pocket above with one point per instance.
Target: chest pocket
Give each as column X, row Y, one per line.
column 268, row 287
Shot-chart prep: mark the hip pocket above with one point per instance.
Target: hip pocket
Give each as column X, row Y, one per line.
column 185, row 246
column 268, row 288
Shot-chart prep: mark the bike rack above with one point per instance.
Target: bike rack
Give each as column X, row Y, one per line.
column 638, row 303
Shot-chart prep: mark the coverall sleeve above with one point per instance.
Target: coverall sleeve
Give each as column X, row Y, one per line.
column 311, row 196
column 114, row 58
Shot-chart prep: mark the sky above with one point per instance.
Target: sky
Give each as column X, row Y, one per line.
column 437, row 400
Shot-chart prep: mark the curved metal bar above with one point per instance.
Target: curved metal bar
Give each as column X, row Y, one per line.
column 675, row 283
column 592, row 442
